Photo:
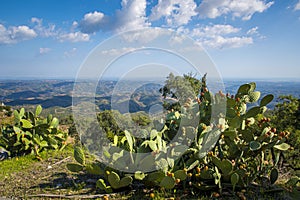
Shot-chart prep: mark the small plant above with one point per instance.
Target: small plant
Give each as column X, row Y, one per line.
column 31, row 133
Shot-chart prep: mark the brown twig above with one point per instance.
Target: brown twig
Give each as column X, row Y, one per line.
column 73, row 196
column 63, row 160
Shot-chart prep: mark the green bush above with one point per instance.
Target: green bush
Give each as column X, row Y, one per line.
column 286, row 117
column 31, row 133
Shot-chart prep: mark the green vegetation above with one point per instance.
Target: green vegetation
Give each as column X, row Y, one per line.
column 196, row 151
column 286, row 117
column 31, row 134
column 245, row 154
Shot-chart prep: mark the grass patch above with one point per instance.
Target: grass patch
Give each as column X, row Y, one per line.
column 22, row 163
column 16, row 164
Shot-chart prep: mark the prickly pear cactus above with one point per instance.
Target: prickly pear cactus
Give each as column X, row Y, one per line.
column 115, row 181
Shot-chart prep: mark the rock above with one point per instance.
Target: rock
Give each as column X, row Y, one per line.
column 3, row 154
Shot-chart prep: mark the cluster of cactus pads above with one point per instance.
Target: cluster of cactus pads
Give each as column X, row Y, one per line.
column 247, row 149
column 31, row 133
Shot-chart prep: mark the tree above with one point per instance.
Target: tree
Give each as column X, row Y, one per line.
column 180, row 89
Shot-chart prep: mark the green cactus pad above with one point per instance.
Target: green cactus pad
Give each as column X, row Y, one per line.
column 252, row 112
column 139, row 175
column 266, row 100
column 192, row 165
column 167, row 182
column 114, row 180
column 254, row 96
column 125, row 181
column 230, row 113
column 17, row 116
column 155, row 176
column 38, row 110
column 180, row 174
column 254, row 145
column 94, row 168
column 247, row 135
column 232, row 134
column 101, row 184
column 74, row 167
column 54, row 122
column 252, row 86
column 235, row 122
column 243, row 108
column 234, row 179
column 225, row 165
column 244, row 89
column 230, row 103
column 207, row 174
column 26, row 123
column 274, row 175
column 79, row 155
column 282, row 146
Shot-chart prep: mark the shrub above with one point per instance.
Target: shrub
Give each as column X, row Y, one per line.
column 31, row 133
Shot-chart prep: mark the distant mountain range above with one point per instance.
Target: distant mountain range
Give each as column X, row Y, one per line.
column 58, row 93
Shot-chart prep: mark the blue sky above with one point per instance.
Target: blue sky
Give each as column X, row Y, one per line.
column 244, row 38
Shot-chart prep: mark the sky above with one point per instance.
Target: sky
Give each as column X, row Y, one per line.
column 243, row 38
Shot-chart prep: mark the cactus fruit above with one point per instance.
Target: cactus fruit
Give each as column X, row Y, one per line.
column 152, row 195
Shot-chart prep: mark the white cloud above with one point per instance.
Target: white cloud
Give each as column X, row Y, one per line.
column 253, row 31
column 20, row 33
column 220, row 42
column 144, row 36
column 50, row 31
column 113, row 52
column 237, row 8
column 15, row 34
column 131, row 16
column 175, row 12
column 219, row 36
column 212, row 31
column 91, row 22
column 74, row 25
column 44, row 50
column 297, row 7
column 42, row 30
column 74, row 37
